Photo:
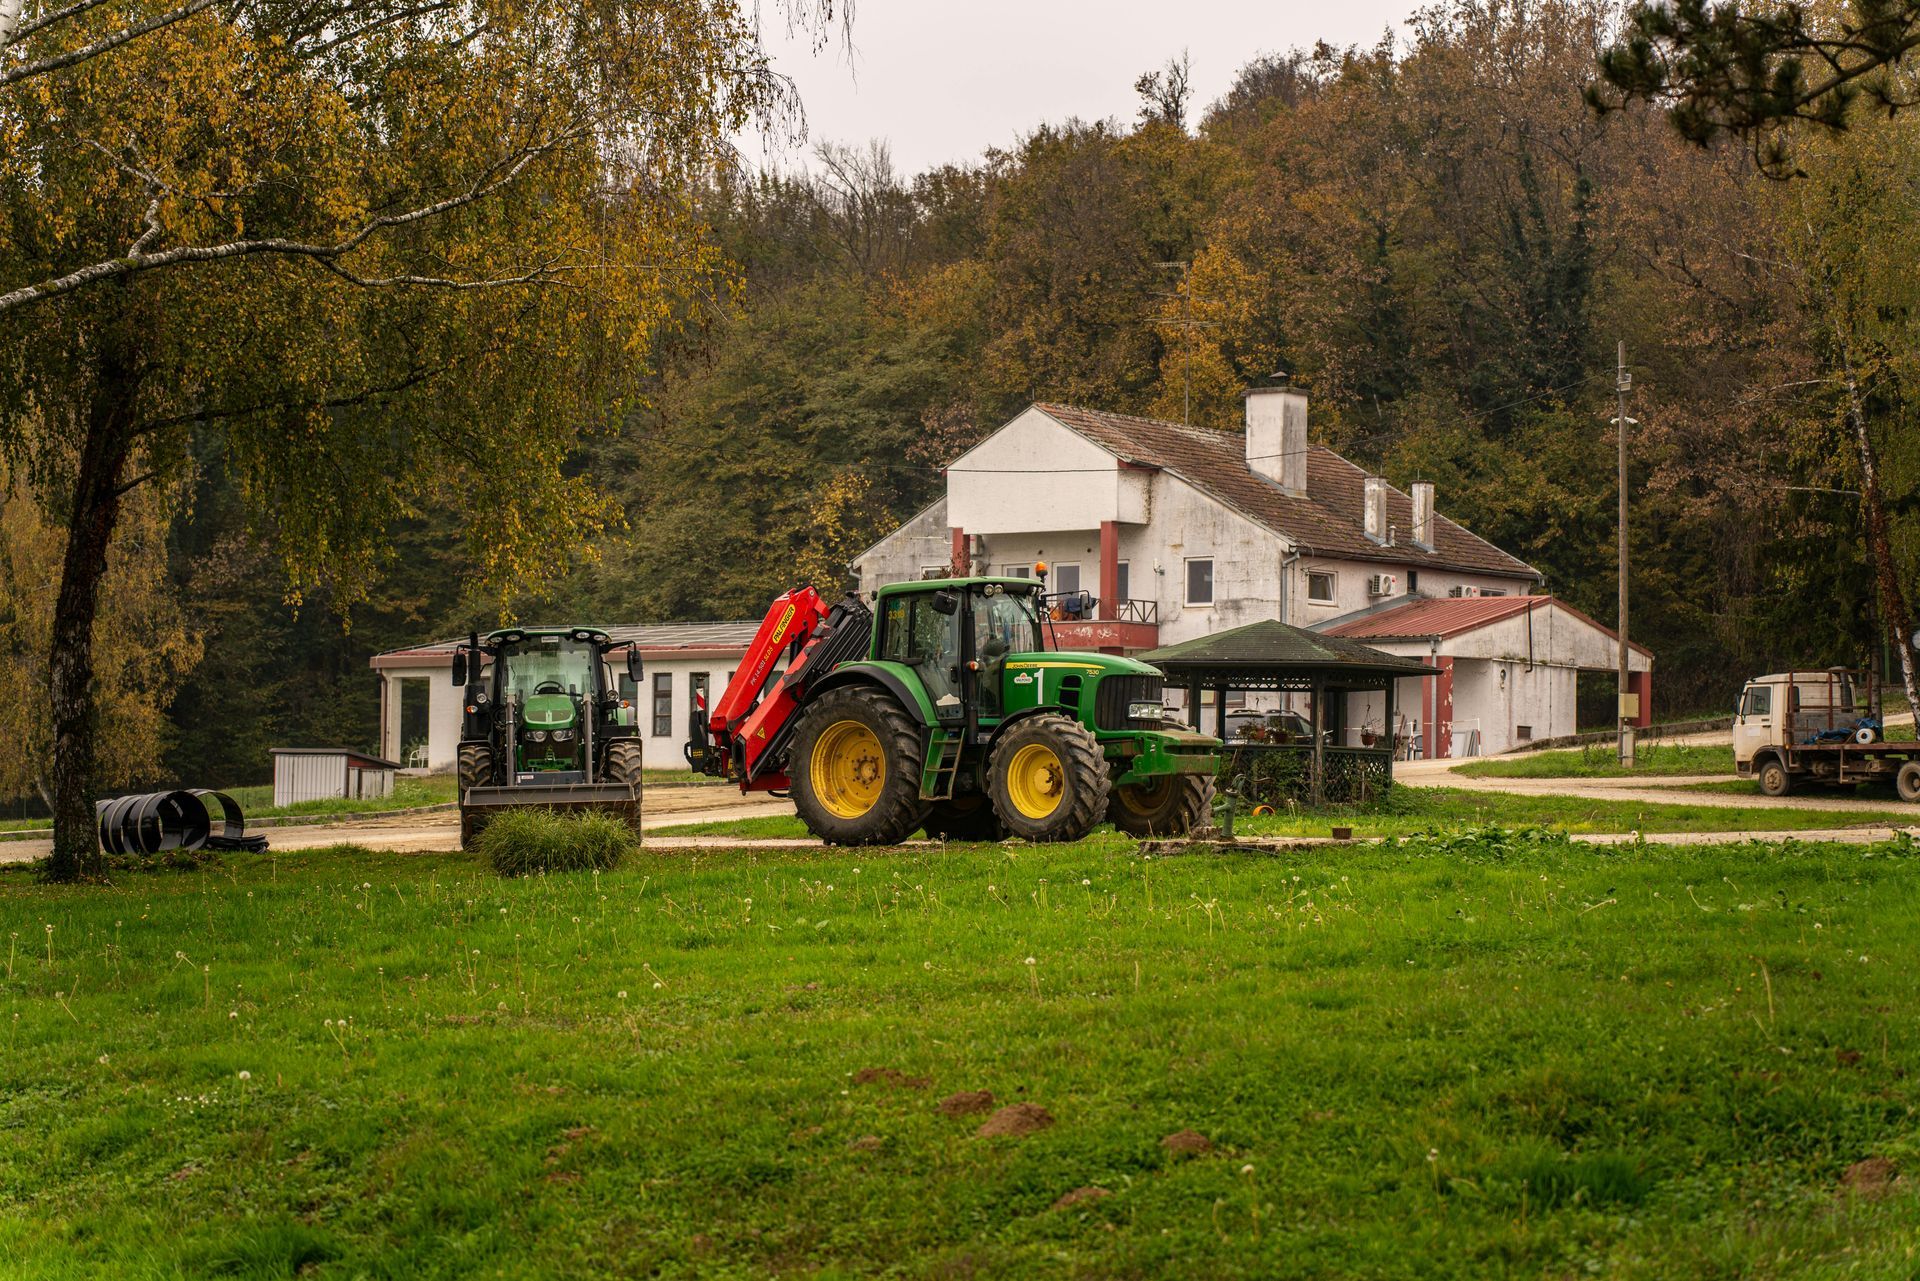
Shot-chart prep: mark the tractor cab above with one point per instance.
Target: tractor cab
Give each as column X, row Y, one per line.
column 958, row 637
column 542, row 711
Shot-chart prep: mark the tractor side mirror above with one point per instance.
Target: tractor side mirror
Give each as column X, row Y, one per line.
column 633, row 664
column 460, row 668
column 946, row 603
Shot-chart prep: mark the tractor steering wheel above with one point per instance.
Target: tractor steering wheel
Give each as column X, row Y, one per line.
column 548, row 687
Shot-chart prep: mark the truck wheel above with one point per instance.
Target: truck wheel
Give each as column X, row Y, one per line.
column 1907, row 782
column 1170, row 805
column 855, row 768
column 965, row 818
column 476, row 767
column 1048, row 779
column 1774, row 779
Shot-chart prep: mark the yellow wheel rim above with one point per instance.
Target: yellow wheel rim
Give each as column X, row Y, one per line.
column 848, row 769
column 1036, row 781
column 1146, row 798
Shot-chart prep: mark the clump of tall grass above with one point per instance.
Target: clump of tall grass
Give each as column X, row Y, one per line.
column 526, row 842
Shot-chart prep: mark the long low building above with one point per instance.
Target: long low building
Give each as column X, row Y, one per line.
column 420, row 705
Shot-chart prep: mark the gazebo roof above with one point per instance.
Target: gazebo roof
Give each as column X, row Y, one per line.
column 1273, row 649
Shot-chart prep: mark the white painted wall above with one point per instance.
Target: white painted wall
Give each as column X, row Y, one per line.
column 1034, row 465
column 926, row 540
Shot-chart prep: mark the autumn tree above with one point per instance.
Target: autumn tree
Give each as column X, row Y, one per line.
column 382, row 256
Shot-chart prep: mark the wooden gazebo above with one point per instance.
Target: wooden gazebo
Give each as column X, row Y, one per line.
column 1274, row 657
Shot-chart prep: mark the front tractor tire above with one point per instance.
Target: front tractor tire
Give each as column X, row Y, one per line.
column 1169, row 805
column 1048, row 779
column 855, row 768
column 475, row 769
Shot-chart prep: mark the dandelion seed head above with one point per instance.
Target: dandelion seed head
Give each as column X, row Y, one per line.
column 245, row 1075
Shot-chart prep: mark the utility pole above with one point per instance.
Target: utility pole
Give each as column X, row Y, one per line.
column 1622, row 383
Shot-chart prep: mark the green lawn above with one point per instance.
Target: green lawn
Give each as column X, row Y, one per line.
column 1603, row 761
column 1413, row 810
column 1488, row 1057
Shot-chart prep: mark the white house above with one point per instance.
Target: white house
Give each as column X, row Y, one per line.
column 420, row 705
column 1179, row 531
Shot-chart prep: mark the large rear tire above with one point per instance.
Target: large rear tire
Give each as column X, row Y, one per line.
column 1907, row 782
column 965, row 818
column 855, row 768
column 1048, row 779
column 1170, row 805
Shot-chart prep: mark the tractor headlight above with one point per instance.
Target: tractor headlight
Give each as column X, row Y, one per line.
column 562, row 735
column 1144, row 711
column 537, row 736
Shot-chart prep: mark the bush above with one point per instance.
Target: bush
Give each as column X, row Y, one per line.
column 524, row 842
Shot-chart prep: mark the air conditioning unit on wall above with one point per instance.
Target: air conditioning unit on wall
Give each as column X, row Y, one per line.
column 1382, row 584
column 1458, row 592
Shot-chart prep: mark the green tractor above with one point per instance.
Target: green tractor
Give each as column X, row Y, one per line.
column 944, row 709
column 544, row 725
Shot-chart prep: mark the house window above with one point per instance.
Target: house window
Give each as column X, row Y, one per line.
column 1320, row 585
column 1200, row 582
column 1066, row 578
column 1413, row 581
column 662, row 704
column 936, row 571
column 1016, row 571
column 1121, row 587
column 1493, row 591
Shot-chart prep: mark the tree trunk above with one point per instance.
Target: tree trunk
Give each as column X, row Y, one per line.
column 1894, row 614
column 90, row 527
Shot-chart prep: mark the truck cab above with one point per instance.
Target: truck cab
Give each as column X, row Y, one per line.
column 1820, row 727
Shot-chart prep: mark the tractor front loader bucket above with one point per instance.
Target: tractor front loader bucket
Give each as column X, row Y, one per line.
column 479, row 804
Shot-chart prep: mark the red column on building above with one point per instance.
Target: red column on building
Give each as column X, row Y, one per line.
column 1440, row 711
column 1109, row 570
column 961, row 563
column 1641, row 685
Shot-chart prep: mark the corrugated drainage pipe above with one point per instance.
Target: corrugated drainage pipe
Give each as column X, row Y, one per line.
column 153, row 823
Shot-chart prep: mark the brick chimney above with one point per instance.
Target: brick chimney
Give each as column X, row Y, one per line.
column 1277, row 434
column 1423, row 514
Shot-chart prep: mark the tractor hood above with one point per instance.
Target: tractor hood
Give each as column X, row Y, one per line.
column 549, row 711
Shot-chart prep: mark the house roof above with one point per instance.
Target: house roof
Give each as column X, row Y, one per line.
column 656, row 640
column 1422, row 618
column 1271, row 645
column 1327, row 520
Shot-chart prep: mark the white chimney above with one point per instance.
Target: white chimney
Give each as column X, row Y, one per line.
column 1374, row 512
column 1423, row 513
column 1277, row 436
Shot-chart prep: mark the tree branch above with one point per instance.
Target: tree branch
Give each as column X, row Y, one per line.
column 105, row 44
column 46, row 20
column 507, row 171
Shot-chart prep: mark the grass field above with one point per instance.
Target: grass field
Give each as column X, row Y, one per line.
column 1413, row 810
column 1480, row 1056
column 1601, row 760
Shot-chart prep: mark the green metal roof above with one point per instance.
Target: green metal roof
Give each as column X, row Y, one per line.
column 1273, row 646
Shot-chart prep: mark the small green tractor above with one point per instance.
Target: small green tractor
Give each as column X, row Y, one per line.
column 943, row 708
column 544, row 725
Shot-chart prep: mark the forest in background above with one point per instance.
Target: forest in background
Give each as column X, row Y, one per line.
column 1438, row 238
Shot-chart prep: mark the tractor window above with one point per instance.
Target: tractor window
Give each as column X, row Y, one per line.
column 557, row 668
column 1004, row 622
column 916, row 632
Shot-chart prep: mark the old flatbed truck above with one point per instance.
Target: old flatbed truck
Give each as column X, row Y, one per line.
column 1819, row 728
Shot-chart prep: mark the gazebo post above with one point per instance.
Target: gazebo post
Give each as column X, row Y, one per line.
column 1393, row 735
column 1220, row 712
column 1319, row 757
column 1193, row 702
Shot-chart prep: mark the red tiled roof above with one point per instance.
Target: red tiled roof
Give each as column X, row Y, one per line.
column 1450, row 616
column 1326, row 521
column 1441, row 617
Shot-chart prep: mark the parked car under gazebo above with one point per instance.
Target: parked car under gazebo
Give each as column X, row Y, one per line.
column 1335, row 674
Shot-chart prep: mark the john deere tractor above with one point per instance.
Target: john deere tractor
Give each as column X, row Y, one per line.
column 544, row 725
column 944, row 709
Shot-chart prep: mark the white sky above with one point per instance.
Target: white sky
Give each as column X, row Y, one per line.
column 943, row 82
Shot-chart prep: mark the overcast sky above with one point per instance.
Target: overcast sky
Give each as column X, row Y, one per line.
column 943, row 82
